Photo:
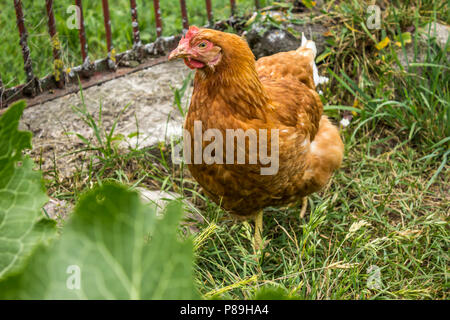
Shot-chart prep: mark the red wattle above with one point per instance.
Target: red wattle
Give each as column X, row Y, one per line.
column 193, row 64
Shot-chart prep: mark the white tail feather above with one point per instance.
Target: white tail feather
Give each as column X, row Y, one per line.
column 304, row 40
column 309, row 44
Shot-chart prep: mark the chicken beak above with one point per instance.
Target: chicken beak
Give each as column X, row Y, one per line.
column 180, row 52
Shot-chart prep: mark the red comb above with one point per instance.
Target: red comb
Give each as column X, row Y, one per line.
column 193, row 30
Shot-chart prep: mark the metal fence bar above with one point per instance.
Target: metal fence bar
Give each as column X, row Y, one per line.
column 107, row 22
column 82, row 36
column 184, row 15
column 58, row 65
column 135, row 24
column 233, row 7
column 209, row 12
column 158, row 18
column 35, row 86
column 32, row 82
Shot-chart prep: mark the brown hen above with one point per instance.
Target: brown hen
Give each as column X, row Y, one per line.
column 273, row 96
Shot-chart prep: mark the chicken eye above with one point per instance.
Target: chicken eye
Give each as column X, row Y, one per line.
column 202, row 45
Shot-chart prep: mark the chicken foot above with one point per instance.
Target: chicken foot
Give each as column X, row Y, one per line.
column 304, row 206
column 258, row 230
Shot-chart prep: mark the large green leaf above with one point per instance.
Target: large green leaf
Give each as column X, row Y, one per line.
column 22, row 196
column 119, row 249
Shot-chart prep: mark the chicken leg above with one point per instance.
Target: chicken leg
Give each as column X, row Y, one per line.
column 304, row 206
column 258, row 230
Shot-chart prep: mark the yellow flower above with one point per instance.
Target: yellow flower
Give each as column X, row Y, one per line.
column 383, row 43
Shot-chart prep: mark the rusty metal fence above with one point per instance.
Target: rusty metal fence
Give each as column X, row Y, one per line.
column 56, row 84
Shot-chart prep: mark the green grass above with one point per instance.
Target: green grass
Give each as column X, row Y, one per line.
column 319, row 258
column 11, row 66
column 387, row 207
column 412, row 99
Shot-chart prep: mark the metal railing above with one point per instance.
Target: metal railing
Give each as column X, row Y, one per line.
column 59, row 79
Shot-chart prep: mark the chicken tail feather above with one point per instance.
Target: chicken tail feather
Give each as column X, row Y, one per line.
column 308, row 48
column 308, row 44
